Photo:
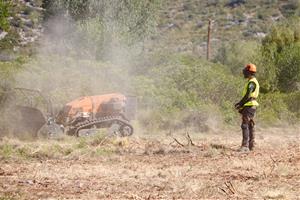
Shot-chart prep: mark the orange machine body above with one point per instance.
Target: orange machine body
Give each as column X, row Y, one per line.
column 94, row 106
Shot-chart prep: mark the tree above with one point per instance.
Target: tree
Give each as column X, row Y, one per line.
column 280, row 57
column 289, row 68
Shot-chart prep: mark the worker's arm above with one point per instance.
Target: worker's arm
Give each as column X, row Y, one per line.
column 246, row 98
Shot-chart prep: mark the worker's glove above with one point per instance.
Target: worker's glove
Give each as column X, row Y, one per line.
column 238, row 106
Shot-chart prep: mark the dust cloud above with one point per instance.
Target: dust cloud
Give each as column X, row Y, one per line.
column 66, row 65
column 94, row 55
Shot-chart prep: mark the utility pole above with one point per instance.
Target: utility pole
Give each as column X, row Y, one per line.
column 208, row 39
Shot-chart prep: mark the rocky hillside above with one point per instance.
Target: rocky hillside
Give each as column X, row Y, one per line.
column 182, row 24
column 21, row 26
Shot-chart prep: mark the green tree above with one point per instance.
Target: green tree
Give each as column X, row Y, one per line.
column 289, row 68
column 280, row 57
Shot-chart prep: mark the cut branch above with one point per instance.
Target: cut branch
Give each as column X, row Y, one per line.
column 178, row 142
column 189, row 139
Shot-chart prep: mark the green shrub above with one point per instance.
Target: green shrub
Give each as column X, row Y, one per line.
column 98, row 138
column 289, row 68
column 280, row 58
column 82, row 143
column 292, row 100
column 6, row 150
column 267, row 72
column 4, row 14
column 273, row 109
column 101, row 151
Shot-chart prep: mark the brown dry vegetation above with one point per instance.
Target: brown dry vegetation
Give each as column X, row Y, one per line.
column 152, row 167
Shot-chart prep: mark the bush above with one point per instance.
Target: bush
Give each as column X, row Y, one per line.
column 267, row 72
column 4, row 14
column 273, row 110
column 280, row 57
column 292, row 100
column 289, row 69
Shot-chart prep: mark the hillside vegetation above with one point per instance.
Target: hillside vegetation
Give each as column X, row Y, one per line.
column 155, row 50
column 184, row 22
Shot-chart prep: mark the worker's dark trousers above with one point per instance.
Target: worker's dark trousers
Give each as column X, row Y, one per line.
column 247, row 126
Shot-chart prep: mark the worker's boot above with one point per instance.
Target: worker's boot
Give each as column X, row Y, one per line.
column 243, row 149
column 251, row 136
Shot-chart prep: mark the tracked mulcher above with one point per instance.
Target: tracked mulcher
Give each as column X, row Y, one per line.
column 78, row 117
column 102, row 111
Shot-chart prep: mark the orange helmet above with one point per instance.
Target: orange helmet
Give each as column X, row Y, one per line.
column 250, row 68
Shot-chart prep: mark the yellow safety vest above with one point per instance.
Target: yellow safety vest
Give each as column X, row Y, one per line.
column 253, row 94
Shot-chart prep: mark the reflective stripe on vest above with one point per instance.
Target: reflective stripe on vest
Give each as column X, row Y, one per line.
column 253, row 94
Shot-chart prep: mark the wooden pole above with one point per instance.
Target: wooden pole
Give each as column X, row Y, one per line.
column 208, row 40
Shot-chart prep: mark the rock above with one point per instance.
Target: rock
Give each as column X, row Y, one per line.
column 298, row 87
column 15, row 23
column 172, row 25
column 235, row 3
column 16, row 49
column 254, row 34
column 30, row 182
column 5, row 57
column 227, row 26
column 23, row 15
column 199, row 24
column 276, row 17
column 241, row 21
column 28, row 22
column 33, row 7
column 2, row 34
column 260, row 34
column 248, row 33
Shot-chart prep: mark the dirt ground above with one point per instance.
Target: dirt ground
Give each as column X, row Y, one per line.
column 157, row 167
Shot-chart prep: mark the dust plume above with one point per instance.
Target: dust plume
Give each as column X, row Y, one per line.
column 66, row 69
column 87, row 57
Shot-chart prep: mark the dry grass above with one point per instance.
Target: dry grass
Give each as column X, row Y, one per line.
column 153, row 167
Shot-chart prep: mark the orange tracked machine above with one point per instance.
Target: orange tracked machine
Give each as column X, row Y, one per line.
column 112, row 111
column 101, row 111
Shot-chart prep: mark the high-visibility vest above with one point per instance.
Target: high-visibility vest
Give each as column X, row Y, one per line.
column 254, row 94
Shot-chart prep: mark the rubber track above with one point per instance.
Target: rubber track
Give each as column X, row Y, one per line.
column 84, row 124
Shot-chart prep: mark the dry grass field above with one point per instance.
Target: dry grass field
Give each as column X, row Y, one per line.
column 152, row 167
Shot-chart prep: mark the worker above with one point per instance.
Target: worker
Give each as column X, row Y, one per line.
column 247, row 107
